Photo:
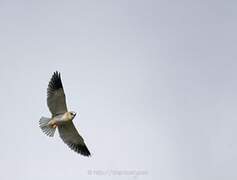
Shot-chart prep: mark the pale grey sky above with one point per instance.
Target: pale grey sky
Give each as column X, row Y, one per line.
column 154, row 83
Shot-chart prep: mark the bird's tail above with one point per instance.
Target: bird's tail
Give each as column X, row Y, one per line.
column 46, row 128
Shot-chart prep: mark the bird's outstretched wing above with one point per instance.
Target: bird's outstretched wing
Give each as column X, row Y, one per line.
column 72, row 138
column 56, row 99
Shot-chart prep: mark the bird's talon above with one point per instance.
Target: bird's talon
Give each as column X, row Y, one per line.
column 54, row 126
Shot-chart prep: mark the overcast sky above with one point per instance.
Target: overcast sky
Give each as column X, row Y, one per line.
column 154, row 83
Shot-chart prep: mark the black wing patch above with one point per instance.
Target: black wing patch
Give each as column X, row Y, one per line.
column 55, row 83
column 79, row 148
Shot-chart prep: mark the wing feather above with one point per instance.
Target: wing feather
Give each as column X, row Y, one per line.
column 56, row 99
column 73, row 139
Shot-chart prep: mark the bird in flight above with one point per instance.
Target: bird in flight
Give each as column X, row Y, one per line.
column 61, row 117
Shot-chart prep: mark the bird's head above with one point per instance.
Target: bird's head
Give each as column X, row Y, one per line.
column 72, row 114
